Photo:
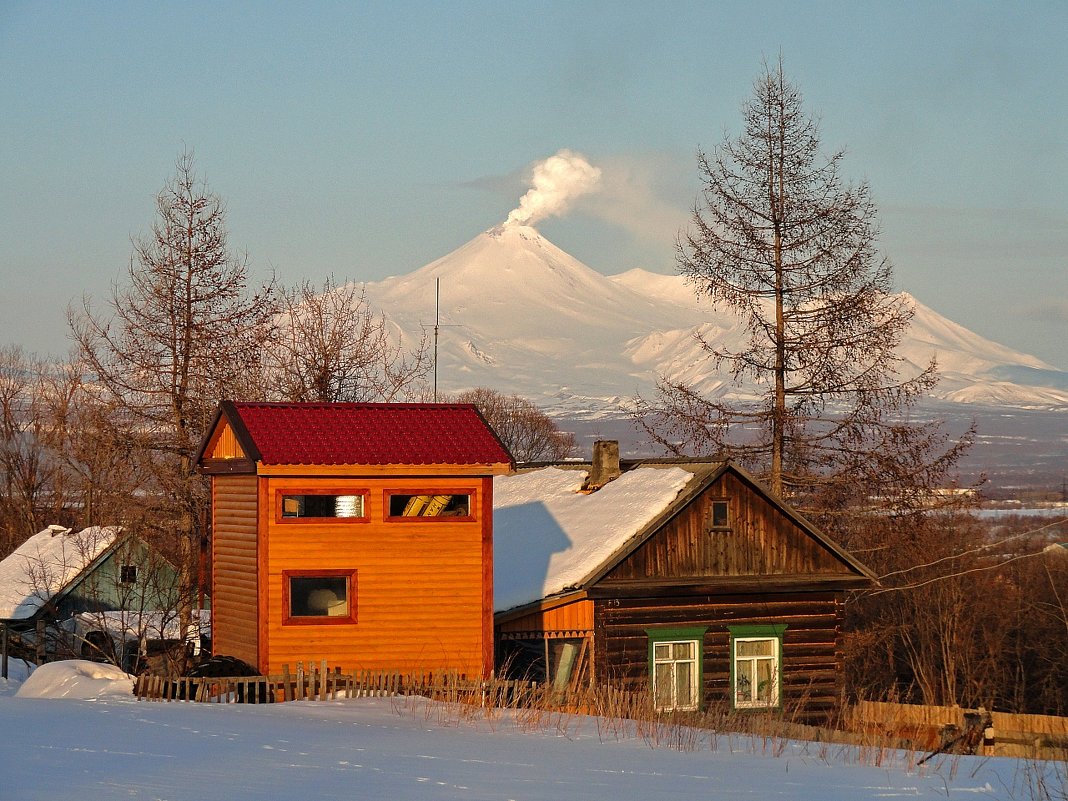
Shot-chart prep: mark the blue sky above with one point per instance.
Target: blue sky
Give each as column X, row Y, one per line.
column 367, row 139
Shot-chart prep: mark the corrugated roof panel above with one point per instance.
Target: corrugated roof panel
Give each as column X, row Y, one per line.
column 370, row 433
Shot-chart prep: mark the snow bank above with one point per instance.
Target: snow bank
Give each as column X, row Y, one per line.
column 17, row 671
column 77, row 679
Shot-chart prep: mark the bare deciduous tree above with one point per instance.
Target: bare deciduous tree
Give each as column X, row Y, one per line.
column 117, row 594
column 529, row 434
column 181, row 332
column 782, row 242
column 63, row 457
column 332, row 346
column 968, row 612
column 97, row 464
column 25, row 469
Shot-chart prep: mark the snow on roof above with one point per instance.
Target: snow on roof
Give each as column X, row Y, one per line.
column 45, row 564
column 548, row 536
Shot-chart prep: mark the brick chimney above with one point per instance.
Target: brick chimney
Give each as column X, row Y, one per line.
column 605, row 464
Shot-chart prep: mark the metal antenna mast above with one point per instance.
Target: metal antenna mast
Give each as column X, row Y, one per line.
column 437, row 326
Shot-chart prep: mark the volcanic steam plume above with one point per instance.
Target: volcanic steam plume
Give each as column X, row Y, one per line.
column 555, row 183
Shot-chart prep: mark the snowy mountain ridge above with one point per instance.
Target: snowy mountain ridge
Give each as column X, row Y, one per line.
column 521, row 315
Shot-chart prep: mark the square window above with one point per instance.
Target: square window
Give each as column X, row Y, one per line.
column 128, row 574
column 327, row 596
column 718, row 515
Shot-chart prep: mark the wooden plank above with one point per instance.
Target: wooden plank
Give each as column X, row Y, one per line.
column 234, row 565
column 1036, row 724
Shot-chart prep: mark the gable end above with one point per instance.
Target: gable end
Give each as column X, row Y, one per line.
column 730, row 530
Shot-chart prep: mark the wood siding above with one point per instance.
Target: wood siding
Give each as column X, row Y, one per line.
column 234, row 567
column 812, row 659
column 564, row 620
column 423, row 587
column 223, row 444
column 760, row 541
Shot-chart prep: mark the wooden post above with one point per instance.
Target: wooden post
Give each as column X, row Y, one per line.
column 40, row 641
column 3, row 651
column 287, row 693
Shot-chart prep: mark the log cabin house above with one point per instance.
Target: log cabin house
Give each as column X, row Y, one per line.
column 360, row 533
column 685, row 579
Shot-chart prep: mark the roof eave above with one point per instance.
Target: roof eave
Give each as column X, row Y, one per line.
column 441, row 469
column 541, row 605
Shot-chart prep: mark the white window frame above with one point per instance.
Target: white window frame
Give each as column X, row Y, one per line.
column 658, row 639
column 774, row 635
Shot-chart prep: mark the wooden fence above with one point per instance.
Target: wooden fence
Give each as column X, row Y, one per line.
column 931, row 728
column 316, row 682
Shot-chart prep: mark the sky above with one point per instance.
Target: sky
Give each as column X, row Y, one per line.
column 363, row 140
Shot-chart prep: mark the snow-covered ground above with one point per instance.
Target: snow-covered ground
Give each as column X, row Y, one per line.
column 117, row 748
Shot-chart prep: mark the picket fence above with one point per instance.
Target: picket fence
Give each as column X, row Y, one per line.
column 317, row 682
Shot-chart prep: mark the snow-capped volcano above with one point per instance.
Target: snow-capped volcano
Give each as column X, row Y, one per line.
column 519, row 314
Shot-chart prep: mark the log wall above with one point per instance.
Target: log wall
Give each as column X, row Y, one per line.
column 812, row 660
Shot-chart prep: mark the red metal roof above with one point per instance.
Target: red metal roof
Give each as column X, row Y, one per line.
column 366, row 433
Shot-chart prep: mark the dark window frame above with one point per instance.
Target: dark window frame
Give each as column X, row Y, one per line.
column 298, row 492
column 389, row 494
column 289, row 619
column 711, row 518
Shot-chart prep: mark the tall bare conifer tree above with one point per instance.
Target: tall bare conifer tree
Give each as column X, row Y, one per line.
column 780, row 240
column 180, row 333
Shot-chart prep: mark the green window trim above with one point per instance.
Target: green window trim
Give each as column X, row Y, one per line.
column 773, row 631
column 680, row 635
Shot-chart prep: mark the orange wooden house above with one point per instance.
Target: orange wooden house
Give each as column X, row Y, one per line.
column 357, row 533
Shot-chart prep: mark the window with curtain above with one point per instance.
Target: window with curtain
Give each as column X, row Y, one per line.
column 756, row 666
column 675, row 667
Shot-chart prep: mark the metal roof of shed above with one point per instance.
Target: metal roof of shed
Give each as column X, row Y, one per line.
column 364, row 433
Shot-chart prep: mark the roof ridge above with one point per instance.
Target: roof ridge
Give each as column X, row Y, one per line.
column 354, row 404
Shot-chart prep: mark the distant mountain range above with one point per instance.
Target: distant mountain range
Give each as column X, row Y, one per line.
column 519, row 314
